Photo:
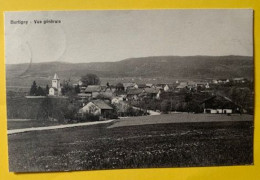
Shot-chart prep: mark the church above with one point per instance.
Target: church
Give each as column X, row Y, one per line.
column 55, row 89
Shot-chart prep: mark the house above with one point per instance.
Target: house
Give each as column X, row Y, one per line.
column 133, row 94
column 149, row 85
column 160, row 86
column 202, row 85
column 78, row 84
column 192, row 85
column 221, row 81
column 55, row 89
column 181, row 86
column 120, row 104
column 219, row 105
column 239, row 80
column 152, row 93
column 97, row 108
column 140, row 86
column 169, row 87
column 93, row 90
column 128, row 86
column 84, row 96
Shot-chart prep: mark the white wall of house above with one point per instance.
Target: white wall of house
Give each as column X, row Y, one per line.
column 91, row 108
column 218, row 111
column 52, row 92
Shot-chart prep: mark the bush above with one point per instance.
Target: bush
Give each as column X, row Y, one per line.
column 165, row 106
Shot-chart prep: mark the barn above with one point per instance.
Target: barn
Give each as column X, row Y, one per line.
column 219, row 105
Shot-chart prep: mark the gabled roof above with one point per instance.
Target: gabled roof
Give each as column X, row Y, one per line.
column 56, row 77
column 128, row 85
column 171, row 86
column 134, row 91
column 141, row 85
column 224, row 98
column 151, row 90
column 83, row 95
column 101, row 104
column 181, row 86
column 93, row 88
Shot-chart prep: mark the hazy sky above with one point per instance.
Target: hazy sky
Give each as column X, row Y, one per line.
column 91, row 36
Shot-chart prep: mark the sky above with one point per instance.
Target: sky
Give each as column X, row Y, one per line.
column 102, row 36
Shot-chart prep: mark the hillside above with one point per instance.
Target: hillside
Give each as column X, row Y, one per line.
column 173, row 67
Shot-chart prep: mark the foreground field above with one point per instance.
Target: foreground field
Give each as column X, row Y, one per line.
column 146, row 146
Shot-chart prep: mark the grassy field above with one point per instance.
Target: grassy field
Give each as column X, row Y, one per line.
column 146, row 146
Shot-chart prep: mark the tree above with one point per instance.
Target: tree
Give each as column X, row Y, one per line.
column 77, row 89
column 90, row 79
column 47, row 89
column 33, row 89
column 165, row 106
column 40, row 91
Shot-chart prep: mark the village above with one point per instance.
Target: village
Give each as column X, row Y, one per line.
column 90, row 101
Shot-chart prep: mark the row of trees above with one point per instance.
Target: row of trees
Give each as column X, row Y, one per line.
column 38, row 90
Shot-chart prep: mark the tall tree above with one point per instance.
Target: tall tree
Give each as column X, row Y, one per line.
column 90, row 79
column 47, row 89
column 40, row 91
column 77, row 89
column 33, row 89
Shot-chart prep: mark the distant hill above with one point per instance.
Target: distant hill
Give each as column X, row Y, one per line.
column 176, row 67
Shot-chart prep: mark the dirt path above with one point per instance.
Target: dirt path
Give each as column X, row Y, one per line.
column 15, row 131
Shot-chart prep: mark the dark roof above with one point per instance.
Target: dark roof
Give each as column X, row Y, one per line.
column 93, row 88
column 84, row 95
column 218, row 101
column 151, row 90
column 128, row 85
column 141, row 85
column 134, row 91
column 101, row 104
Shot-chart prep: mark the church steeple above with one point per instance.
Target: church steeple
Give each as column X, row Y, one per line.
column 56, row 82
column 56, row 77
column 55, row 89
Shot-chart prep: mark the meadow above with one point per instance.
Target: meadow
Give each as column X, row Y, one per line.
column 144, row 146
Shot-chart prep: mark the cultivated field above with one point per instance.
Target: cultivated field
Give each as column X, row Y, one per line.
column 146, row 146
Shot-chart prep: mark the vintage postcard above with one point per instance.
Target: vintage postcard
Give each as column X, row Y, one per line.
column 117, row 89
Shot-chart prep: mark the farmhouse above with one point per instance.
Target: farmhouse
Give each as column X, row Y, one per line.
column 133, row 94
column 55, row 89
column 169, row 87
column 221, row 81
column 219, row 105
column 128, row 86
column 97, row 108
column 181, row 86
column 239, row 80
column 152, row 93
column 140, row 86
column 202, row 85
column 93, row 90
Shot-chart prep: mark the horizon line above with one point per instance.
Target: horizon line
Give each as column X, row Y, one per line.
column 127, row 59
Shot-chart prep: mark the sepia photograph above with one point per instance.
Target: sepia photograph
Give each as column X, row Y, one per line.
column 124, row 89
